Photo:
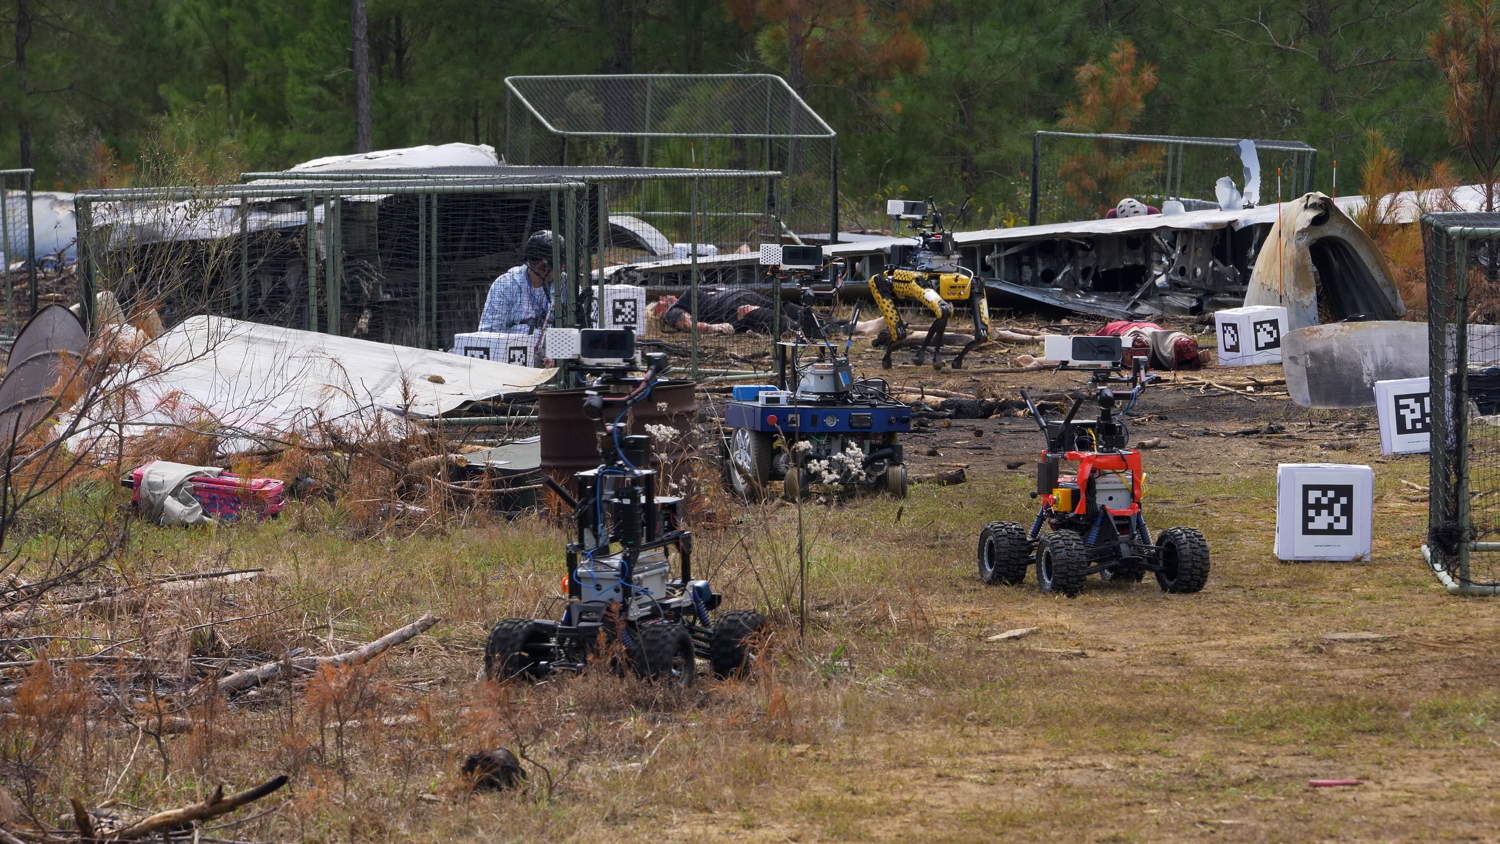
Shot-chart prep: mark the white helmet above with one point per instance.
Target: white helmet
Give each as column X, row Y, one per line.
column 1130, row 207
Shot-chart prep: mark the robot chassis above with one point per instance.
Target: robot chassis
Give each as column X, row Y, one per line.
column 620, row 586
column 819, row 424
column 929, row 274
column 1095, row 518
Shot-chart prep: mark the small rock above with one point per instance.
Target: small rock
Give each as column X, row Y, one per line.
column 437, row 379
column 933, row 452
column 978, row 432
column 1015, row 464
column 1017, row 633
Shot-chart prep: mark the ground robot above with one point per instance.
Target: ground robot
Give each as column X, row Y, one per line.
column 620, row 586
column 820, row 424
column 1093, row 514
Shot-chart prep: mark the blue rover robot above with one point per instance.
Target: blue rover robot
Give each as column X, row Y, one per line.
column 819, row 424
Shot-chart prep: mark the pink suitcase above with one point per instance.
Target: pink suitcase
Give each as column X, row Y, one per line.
column 228, row 498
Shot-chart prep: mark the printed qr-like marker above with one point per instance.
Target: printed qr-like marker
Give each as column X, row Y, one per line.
column 1267, row 334
column 624, row 312
column 1327, row 510
column 1413, row 413
column 1231, row 337
column 477, row 352
column 516, row 355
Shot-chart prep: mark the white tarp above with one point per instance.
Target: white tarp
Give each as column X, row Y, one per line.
column 427, row 155
column 256, row 382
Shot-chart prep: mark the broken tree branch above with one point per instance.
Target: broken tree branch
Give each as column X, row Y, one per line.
column 214, row 806
column 271, row 670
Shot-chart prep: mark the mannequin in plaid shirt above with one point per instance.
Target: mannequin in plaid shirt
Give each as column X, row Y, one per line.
column 520, row 299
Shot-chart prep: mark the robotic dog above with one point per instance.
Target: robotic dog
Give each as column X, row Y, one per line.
column 929, row 274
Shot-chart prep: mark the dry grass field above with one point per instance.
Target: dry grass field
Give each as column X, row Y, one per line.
column 1129, row 715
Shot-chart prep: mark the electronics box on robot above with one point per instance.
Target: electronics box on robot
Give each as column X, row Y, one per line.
column 1324, row 511
column 1250, row 336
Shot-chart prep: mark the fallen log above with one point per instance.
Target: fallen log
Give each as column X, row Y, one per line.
column 947, row 477
column 360, row 655
column 217, row 804
column 933, row 391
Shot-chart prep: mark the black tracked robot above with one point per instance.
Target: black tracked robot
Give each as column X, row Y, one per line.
column 629, row 568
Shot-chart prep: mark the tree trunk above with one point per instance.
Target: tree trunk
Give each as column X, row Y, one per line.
column 23, row 119
column 360, row 25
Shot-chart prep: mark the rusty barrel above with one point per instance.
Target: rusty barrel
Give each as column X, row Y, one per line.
column 570, row 440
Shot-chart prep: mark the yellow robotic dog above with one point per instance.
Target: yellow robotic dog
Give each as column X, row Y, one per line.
column 929, row 274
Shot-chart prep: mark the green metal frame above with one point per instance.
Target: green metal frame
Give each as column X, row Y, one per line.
column 25, row 175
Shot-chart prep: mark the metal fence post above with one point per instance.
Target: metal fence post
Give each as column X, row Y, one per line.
column 30, row 242
column 312, row 265
column 83, row 214
column 696, row 276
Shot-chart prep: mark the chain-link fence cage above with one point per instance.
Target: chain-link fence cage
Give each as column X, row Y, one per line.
column 1463, row 304
column 399, row 262
column 1079, row 176
column 716, row 121
column 17, row 251
column 410, row 261
column 669, row 231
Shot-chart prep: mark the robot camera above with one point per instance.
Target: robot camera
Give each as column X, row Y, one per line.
column 1083, row 352
column 606, row 346
column 902, row 209
column 802, row 257
column 791, row 257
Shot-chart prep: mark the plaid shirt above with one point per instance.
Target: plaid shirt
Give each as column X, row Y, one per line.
column 513, row 305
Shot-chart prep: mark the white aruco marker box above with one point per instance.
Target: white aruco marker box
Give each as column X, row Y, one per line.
column 1323, row 511
column 505, row 347
column 624, row 307
column 1404, row 406
column 1250, row 336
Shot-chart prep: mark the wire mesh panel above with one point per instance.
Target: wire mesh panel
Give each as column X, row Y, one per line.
column 411, row 261
column 668, row 231
column 17, row 251
column 724, row 121
column 1076, row 176
column 692, row 243
column 1463, row 303
column 400, row 262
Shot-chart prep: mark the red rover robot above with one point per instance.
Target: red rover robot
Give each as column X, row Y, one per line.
column 1094, row 514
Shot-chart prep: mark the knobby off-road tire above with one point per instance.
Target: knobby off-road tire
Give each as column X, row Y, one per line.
column 736, row 643
column 663, row 652
column 1061, row 560
column 747, row 463
column 508, row 654
column 895, row 480
column 1003, row 553
column 1184, row 560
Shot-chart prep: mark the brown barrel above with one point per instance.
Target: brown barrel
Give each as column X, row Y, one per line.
column 570, row 440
